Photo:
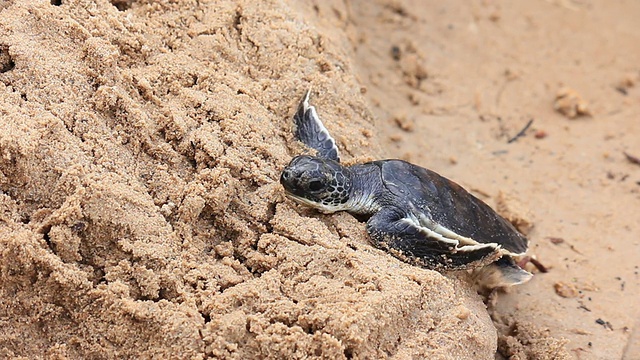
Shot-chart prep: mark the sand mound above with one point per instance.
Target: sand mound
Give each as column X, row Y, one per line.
column 141, row 144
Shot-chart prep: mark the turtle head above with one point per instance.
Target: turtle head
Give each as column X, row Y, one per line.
column 321, row 183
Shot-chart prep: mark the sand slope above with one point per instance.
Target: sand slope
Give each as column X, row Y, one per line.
column 141, row 217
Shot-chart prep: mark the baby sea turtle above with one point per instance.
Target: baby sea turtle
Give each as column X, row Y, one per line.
column 415, row 214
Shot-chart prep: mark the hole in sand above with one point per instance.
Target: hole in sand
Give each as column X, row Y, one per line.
column 206, row 317
column 348, row 353
column 122, row 5
column 6, row 62
column 45, row 234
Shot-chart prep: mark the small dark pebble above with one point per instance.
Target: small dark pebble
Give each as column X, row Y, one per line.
column 622, row 90
column 606, row 324
column 77, row 227
column 590, row 344
column 556, row 240
column 540, row 134
column 395, row 52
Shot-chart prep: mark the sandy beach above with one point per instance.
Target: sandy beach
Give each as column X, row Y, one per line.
column 141, row 145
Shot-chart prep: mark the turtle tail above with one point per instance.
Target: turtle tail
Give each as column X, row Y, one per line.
column 502, row 273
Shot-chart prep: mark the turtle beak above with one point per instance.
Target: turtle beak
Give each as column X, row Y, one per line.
column 285, row 176
column 287, row 180
column 290, row 185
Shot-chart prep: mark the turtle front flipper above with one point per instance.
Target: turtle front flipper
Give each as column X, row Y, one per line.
column 401, row 235
column 311, row 131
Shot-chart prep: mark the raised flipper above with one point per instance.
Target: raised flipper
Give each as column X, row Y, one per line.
column 402, row 236
column 502, row 273
column 311, row 131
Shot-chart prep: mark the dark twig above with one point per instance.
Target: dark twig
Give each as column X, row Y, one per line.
column 632, row 159
column 535, row 262
column 584, row 308
column 539, row 265
column 521, row 132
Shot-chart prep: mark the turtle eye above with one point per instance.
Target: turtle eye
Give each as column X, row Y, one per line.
column 315, row 185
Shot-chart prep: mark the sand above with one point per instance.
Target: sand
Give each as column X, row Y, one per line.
column 141, row 145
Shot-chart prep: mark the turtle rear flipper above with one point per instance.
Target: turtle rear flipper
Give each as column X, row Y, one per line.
column 404, row 238
column 502, row 273
column 311, row 131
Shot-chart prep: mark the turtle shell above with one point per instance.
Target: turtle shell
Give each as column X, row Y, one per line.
column 445, row 207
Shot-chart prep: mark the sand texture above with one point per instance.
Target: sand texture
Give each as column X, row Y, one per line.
column 141, row 144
